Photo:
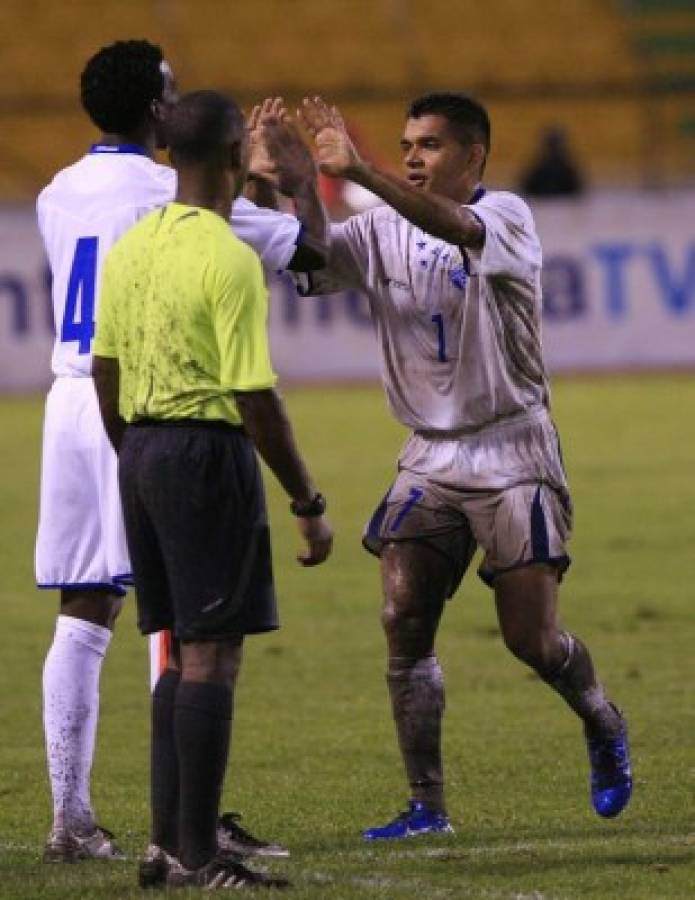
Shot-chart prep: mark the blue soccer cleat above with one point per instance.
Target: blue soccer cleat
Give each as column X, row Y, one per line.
column 611, row 774
column 417, row 819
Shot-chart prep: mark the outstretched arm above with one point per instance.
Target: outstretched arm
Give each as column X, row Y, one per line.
column 338, row 157
column 280, row 160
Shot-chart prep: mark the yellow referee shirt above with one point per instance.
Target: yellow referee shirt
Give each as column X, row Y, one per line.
column 183, row 307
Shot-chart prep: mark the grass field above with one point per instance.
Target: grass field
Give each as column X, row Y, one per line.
column 314, row 757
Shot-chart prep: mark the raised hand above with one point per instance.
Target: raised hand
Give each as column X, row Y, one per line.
column 289, row 155
column 337, row 155
column 261, row 165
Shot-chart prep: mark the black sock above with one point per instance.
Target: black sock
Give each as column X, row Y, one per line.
column 164, row 767
column 202, row 720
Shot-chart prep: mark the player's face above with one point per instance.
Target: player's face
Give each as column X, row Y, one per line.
column 170, row 97
column 435, row 161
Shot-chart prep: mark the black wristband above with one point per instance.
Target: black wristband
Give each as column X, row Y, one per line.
column 311, row 510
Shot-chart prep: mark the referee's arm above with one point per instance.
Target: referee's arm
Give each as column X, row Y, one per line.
column 106, row 375
column 267, row 424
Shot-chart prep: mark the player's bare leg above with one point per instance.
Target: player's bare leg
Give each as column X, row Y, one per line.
column 527, row 609
column 526, row 602
column 415, row 582
column 71, row 709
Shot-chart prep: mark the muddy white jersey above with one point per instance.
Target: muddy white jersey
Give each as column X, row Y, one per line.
column 90, row 204
column 459, row 329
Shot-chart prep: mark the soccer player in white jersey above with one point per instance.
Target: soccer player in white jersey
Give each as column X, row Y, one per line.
column 452, row 274
column 80, row 549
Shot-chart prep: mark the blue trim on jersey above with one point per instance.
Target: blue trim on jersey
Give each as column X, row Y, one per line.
column 297, row 241
column 85, row 586
column 478, row 194
column 135, row 149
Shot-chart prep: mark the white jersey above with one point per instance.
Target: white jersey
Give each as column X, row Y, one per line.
column 90, row 204
column 459, row 330
column 83, row 211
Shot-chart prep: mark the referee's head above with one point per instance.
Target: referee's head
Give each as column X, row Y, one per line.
column 205, row 130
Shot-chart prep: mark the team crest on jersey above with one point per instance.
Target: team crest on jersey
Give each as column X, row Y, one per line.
column 458, row 277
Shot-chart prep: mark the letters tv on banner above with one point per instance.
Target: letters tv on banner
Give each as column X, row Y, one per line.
column 619, row 293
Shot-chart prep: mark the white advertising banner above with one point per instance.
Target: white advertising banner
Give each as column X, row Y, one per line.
column 619, row 281
column 619, row 293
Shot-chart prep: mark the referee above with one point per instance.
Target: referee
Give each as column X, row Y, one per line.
column 185, row 386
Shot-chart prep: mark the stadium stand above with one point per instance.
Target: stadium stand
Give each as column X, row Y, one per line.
column 663, row 38
column 609, row 72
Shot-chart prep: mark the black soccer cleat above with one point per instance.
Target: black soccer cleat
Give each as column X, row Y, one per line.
column 232, row 838
column 223, row 872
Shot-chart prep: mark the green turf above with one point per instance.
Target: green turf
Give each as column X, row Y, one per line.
column 314, row 758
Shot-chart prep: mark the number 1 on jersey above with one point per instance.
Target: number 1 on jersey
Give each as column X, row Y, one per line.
column 438, row 320
column 80, row 296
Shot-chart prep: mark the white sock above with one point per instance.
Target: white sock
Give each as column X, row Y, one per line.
column 70, row 712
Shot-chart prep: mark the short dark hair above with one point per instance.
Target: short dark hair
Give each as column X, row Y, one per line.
column 201, row 127
column 119, row 83
column 467, row 117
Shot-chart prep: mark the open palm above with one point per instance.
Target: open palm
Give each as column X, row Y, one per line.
column 335, row 151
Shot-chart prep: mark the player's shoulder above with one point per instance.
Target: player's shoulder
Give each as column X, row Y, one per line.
column 242, row 206
column 60, row 182
column 146, row 183
column 506, row 203
column 162, row 178
column 233, row 257
column 120, row 180
column 373, row 220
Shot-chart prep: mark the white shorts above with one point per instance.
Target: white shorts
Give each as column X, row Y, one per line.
column 503, row 490
column 81, row 539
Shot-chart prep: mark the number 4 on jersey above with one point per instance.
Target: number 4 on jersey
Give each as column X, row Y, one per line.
column 78, row 320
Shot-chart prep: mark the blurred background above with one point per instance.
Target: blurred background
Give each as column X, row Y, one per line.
column 593, row 111
column 593, row 114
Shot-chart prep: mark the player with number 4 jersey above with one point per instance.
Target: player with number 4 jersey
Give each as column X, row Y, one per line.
column 126, row 89
column 81, row 213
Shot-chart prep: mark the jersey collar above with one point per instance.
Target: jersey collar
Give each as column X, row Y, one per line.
column 478, row 195
column 135, row 149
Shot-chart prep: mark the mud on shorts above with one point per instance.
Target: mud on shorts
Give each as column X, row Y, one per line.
column 503, row 490
column 197, row 529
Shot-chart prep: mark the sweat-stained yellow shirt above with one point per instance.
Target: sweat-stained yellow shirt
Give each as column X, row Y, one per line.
column 183, row 308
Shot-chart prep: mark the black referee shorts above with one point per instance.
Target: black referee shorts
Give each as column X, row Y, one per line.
column 197, row 530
